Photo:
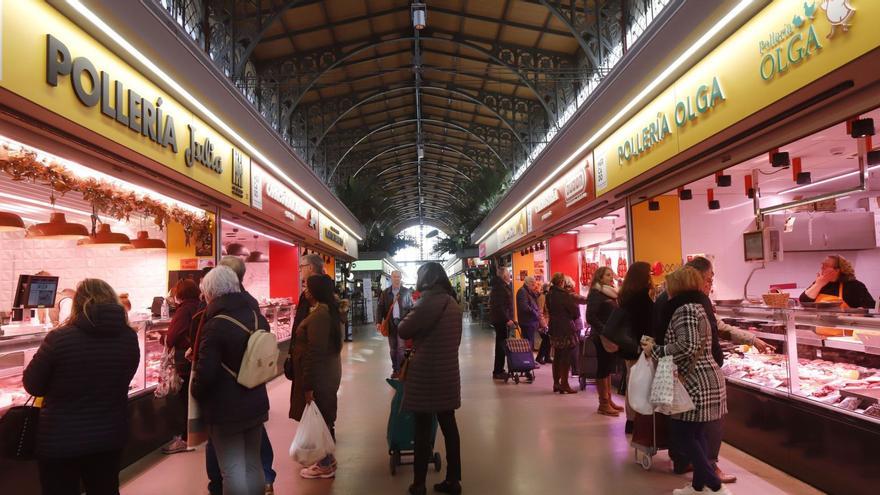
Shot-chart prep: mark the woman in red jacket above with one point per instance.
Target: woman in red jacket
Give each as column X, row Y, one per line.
column 179, row 338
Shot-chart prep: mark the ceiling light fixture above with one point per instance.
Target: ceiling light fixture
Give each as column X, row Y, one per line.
column 653, row 205
column 637, row 100
column 419, row 15
column 685, row 194
column 611, row 216
column 589, row 225
column 10, row 222
column 105, row 238
column 267, row 236
column 825, row 181
column 161, row 75
column 143, row 242
column 236, row 249
column 861, row 127
column 58, row 228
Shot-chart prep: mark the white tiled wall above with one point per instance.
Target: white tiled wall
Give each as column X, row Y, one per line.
column 256, row 275
column 143, row 275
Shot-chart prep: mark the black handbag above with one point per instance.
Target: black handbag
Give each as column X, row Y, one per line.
column 18, row 431
column 618, row 329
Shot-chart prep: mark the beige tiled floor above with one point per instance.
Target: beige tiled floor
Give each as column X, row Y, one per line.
column 516, row 439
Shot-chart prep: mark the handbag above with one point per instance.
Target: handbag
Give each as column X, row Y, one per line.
column 408, row 357
column 618, row 333
column 18, row 431
column 170, row 381
column 385, row 326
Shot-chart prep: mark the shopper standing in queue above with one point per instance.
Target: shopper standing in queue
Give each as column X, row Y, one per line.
column 82, row 370
column 233, row 413
column 179, row 340
column 433, row 382
column 563, row 311
column 544, row 328
column 663, row 311
column 528, row 313
column 267, row 456
column 688, row 340
column 601, row 302
column 394, row 303
column 309, row 265
column 637, row 301
column 317, row 367
column 501, row 312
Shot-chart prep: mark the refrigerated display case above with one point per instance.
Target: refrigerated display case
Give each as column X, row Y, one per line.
column 811, row 406
column 279, row 313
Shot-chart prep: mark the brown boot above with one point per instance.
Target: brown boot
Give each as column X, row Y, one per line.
column 610, row 396
column 603, row 388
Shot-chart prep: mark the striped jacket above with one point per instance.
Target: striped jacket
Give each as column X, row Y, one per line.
column 688, row 338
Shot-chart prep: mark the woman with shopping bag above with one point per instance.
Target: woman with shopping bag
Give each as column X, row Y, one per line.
column 693, row 376
column 317, row 366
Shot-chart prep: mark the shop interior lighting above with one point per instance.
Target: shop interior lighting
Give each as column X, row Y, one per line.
column 143, row 242
column 804, row 178
column 723, row 180
column 611, row 216
column 58, row 228
column 589, row 225
column 267, row 236
column 639, row 99
column 685, row 194
column 862, row 128
column 419, row 15
column 874, row 157
column 161, row 75
column 574, row 232
column 105, row 238
column 825, row 181
column 780, row 159
column 10, row 222
column 653, row 205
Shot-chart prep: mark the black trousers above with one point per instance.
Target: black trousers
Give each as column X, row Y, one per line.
column 544, row 350
column 604, row 360
column 423, row 442
column 500, row 337
column 99, row 474
column 691, row 438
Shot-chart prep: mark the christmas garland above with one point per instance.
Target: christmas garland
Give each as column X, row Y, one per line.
column 23, row 165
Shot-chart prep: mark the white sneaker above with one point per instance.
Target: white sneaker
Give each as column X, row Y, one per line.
column 687, row 490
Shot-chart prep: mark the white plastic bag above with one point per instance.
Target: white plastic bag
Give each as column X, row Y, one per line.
column 313, row 441
column 638, row 387
column 169, row 381
column 668, row 394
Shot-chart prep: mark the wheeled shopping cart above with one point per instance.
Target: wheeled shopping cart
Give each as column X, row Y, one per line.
column 401, row 432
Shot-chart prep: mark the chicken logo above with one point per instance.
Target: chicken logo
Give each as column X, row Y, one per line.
column 838, row 12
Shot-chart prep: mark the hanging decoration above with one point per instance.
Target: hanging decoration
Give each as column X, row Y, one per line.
column 22, row 165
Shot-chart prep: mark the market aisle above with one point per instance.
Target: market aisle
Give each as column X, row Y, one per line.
column 516, row 439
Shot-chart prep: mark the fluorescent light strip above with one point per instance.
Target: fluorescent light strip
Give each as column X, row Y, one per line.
column 86, row 214
column 282, row 241
column 638, row 100
column 825, row 181
column 167, row 79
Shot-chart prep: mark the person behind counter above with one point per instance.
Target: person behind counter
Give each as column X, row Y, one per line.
column 82, row 370
column 836, row 281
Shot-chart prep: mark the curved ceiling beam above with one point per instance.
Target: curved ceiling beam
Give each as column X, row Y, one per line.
column 427, row 162
column 439, row 123
column 413, row 145
column 413, row 222
column 466, row 96
column 255, row 40
column 403, row 180
column 574, row 32
column 371, row 45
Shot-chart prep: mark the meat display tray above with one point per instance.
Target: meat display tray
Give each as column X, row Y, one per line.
column 869, row 395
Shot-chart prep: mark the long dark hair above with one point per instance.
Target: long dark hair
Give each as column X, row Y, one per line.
column 638, row 279
column 432, row 276
column 321, row 288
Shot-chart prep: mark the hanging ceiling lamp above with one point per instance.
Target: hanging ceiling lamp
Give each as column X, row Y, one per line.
column 143, row 242
column 58, row 228
column 236, row 249
column 105, row 238
column 256, row 256
column 10, row 222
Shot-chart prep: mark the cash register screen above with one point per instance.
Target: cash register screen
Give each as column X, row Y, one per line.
column 36, row 291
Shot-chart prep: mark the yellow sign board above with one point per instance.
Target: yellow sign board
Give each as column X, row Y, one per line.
column 58, row 66
column 786, row 46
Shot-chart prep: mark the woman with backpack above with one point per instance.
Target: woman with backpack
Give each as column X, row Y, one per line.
column 233, row 413
column 317, row 366
column 179, row 339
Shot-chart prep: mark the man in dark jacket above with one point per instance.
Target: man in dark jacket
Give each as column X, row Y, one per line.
column 528, row 314
column 395, row 302
column 83, row 371
column 310, row 264
column 234, row 414
column 501, row 313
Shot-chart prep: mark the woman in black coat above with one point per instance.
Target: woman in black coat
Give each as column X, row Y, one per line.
column 433, row 381
column 233, row 413
column 637, row 302
column 562, row 308
column 601, row 302
column 83, row 370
